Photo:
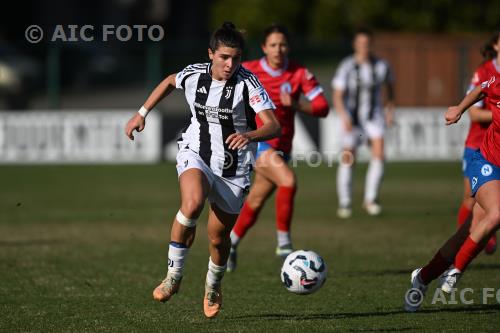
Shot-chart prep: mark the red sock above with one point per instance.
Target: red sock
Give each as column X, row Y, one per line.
column 246, row 220
column 467, row 253
column 464, row 214
column 284, row 207
column 434, row 268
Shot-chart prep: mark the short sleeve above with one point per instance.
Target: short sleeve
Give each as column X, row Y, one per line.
column 389, row 76
column 339, row 81
column 487, row 85
column 475, row 82
column 182, row 76
column 258, row 98
column 310, row 86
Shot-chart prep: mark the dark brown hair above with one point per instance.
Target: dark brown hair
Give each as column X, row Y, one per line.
column 487, row 50
column 275, row 27
column 227, row 35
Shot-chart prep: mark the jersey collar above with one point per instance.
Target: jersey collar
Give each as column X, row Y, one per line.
column 273, row 72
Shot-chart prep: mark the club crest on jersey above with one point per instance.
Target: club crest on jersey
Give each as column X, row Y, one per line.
column 286, row 88
column 486, row 170
column 488, row 83
column 228, row 92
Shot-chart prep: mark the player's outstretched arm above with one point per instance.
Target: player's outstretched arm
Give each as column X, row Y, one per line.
column 455, row 112
column 138, row 121
column 270, row 129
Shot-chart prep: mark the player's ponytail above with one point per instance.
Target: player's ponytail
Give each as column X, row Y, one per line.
column 227, row 35
column 488, row 51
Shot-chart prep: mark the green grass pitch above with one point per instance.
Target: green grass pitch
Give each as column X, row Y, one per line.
column 82, row 247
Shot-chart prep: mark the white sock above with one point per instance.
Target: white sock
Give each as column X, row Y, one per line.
column 234, row 239
column 344, row 184
column 215, row 273
column 373, row 179
column 283, row 237
column 177, row 254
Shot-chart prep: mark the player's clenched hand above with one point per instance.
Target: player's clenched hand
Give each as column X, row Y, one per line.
column 137, row 123
column 452, row 115
column 237, row 140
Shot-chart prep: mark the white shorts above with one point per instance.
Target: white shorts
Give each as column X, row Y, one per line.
column 227, row 193
column 370, row 129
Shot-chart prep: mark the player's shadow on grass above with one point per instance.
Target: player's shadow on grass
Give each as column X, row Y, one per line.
column 484, row 308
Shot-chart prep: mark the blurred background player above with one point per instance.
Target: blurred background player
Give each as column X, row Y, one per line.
column 480, row 115
column 357, row 98
column 213, row 161
column 284, row 80
column 484, row 174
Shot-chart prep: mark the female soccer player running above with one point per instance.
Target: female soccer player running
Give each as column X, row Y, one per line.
column 213, row 161
column 284, row 80
column 484, row 175
column 357, row 97
column 480, row 120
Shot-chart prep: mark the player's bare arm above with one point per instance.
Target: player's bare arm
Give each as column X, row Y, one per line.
column 270, row 129
column 455, row 112
column 138, row 121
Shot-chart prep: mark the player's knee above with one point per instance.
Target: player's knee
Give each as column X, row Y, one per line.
column 494, row 218
column 219, row 240
column 347, row 157
column 192, row 207
column 255, row 202
column 287, row 179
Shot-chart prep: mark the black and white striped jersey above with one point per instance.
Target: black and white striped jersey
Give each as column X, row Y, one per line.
column 362, row 85
column 218, row 109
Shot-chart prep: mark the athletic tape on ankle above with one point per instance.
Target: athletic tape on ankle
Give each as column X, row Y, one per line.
column 190, row 223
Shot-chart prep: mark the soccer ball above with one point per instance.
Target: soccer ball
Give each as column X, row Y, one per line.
column 303, row 272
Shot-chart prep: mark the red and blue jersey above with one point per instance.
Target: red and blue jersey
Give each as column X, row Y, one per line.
column 477, row 130
column 490, row 148
column 293, row 79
